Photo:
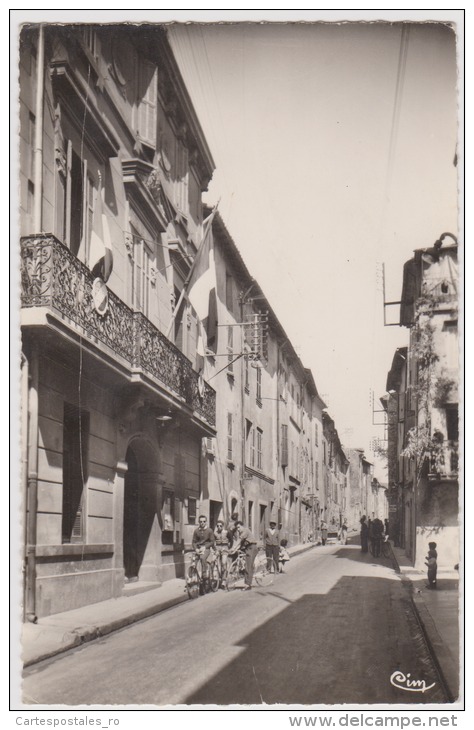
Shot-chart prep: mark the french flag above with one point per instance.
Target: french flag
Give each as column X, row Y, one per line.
column 101, row 258
column 202, row 286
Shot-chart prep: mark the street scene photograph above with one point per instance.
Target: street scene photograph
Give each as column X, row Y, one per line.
column 239, row 255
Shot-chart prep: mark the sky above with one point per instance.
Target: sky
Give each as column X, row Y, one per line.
column 334, row 146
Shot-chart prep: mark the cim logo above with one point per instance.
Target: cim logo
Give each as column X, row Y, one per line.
column 403, row 681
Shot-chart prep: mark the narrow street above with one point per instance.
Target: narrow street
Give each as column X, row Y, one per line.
column 333, row 629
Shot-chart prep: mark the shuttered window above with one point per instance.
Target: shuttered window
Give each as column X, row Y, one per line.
column 145, row 117
column 284, row 445
column 259, row 448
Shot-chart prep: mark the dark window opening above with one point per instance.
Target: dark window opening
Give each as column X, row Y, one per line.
column 452, row 424
column 76, row 203
column 191, row 511
column 75, row 446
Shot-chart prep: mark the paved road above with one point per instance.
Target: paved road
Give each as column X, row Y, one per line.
column 333, row 629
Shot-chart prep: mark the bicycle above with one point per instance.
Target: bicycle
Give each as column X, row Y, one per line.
column 264, row 571
column 220, row 570
column 195, row 583
column 386, row 548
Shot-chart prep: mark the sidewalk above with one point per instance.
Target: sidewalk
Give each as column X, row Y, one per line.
column 438, row 614
column 60, row 632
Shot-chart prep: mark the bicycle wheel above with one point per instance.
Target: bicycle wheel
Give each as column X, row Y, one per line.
column 214, row 576
column 265, row 571
column 192, row 582
column 233, row 575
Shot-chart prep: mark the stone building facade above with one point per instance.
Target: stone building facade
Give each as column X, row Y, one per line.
column 424, row 427
column 130, row 428
column 113, row 163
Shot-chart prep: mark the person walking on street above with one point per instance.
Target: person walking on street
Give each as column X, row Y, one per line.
column 272, row 543
column 364, row 534
column 248, row 544
column 370, row 534
column 432, row 564
column 324, row 532
column 344, row 529
column 377, row 534
column 203, row 540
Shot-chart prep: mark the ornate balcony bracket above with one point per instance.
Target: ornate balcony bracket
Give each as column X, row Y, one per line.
column 51, row 276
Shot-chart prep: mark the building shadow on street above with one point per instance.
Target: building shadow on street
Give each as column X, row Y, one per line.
column 334, row 648
column 353, row 552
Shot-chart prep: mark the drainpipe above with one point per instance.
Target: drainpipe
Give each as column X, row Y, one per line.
column 24, row 374
column 31, row 450
column 242, row 300
column 38, row 151
column 32, row 487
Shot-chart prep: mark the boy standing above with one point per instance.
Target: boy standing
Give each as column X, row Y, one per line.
column 432, row 564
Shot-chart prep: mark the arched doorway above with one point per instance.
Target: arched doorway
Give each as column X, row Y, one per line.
column 141, row 529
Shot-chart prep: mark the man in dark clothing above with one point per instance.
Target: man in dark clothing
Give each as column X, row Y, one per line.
column 203, row 540
column 377, row 534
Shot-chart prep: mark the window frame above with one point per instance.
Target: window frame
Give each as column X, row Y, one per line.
column 258, row 391
column 73, row 523
column 147, row 105
column 259, row 448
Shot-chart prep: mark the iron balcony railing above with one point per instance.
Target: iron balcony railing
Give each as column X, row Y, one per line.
column 51, row 276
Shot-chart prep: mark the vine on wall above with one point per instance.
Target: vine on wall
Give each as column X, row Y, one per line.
column 419, row 443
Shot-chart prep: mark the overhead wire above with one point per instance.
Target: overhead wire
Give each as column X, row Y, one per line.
column 390, row 164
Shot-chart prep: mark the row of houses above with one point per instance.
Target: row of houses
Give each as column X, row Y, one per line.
column 157, row 382
column 422, row 407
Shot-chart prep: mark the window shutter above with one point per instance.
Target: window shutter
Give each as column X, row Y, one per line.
column 284, row 445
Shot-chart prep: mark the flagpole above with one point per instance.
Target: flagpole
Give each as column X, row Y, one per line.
column 207, row 221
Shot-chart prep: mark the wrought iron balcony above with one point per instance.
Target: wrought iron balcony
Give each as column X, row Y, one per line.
column 53, row 278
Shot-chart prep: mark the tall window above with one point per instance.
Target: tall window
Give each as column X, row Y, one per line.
column 230, row 349
column 284, row 444
column 182, row 175
column 75, row 447
column 141, row 274
column 247, row 374
column 145, row 110
column 452, row 423
column 31, row 144
column 90, row 40
column 316, row 434
column 252, row 446
column 259, row 385
column 228, row 291
column 76, row 194
column 192, row 510
column 75, row 201
column 259, row 448
column 229, row 437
